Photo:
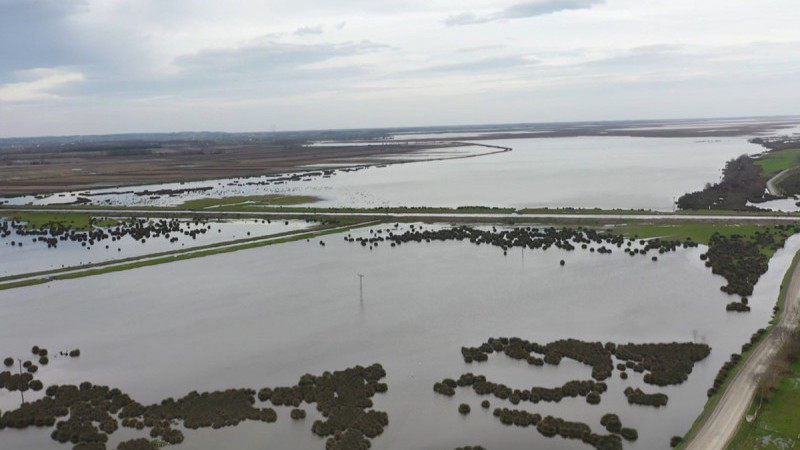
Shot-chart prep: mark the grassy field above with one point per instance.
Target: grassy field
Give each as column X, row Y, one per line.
column 696, row 231
column 248, row 202
column 73, row 221
column 776, row 426
column 776, row 161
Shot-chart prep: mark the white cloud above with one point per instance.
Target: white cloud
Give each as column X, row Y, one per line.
column 302, row 31
column 521, row 10
column 105, row 57
column 39, row 84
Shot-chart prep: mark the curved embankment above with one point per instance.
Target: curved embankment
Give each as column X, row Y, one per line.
column 722, row 423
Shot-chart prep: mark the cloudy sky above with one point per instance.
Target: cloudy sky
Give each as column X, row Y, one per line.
column 108, row 66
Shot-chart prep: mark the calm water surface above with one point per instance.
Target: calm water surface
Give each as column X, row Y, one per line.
column 585, row 172
column 265, row 316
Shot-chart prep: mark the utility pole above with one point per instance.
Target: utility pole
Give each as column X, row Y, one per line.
column 361, row 287
column 21, row 392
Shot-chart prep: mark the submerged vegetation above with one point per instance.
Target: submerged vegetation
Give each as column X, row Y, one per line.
column 664, row 364
column 740, row 255
column 639, row 397
column 568, row 239
column 550, row 426
column 481, row 386
column 743, row 260
column 51, row 229
column 86, row 414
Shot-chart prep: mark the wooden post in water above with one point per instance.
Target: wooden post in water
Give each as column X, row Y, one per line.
column 361, row 287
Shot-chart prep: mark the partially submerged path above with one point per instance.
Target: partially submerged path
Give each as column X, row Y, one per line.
column 160, row 258
column 723, row 421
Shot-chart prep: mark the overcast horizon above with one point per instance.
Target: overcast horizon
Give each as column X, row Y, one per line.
column 74, row 67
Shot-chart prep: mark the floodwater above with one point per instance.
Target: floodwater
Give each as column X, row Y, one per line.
column 34, row 256
column 265, row 316
column 788, row 204
column 581, row 172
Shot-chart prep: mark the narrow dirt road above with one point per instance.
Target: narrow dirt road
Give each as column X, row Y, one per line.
column 722, row 423
column 772, row 183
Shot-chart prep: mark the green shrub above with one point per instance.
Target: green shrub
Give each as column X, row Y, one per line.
column 629, row 434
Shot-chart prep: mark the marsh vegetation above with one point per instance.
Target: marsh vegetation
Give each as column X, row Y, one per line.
column 85, row 415
column 662, row 364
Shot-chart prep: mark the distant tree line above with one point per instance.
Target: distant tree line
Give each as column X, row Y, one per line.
column 777, row 143
column 742, row 181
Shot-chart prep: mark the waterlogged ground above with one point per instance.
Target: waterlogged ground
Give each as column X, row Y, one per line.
column 585, row 172
column 35, row 256
column 265, row 316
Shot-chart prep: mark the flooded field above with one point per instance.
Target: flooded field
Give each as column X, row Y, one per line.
column 584, row 172
column 24, row 254
column 265, row 316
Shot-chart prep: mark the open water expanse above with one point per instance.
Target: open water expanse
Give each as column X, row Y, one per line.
column 265, row 316
column 581, row 172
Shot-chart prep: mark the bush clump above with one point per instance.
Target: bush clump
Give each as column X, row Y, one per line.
column 737, row 307
column 593, row 354
column 516, row 417
column 638, row 397
column 667, row 364
column 611, row 422
column 629, row 434
column 723, row 372
column 481, row 386
column 464, row 409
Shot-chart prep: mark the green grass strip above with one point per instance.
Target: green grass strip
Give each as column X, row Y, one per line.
column 228, row 203
column 775, row 161
column 777, row 426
